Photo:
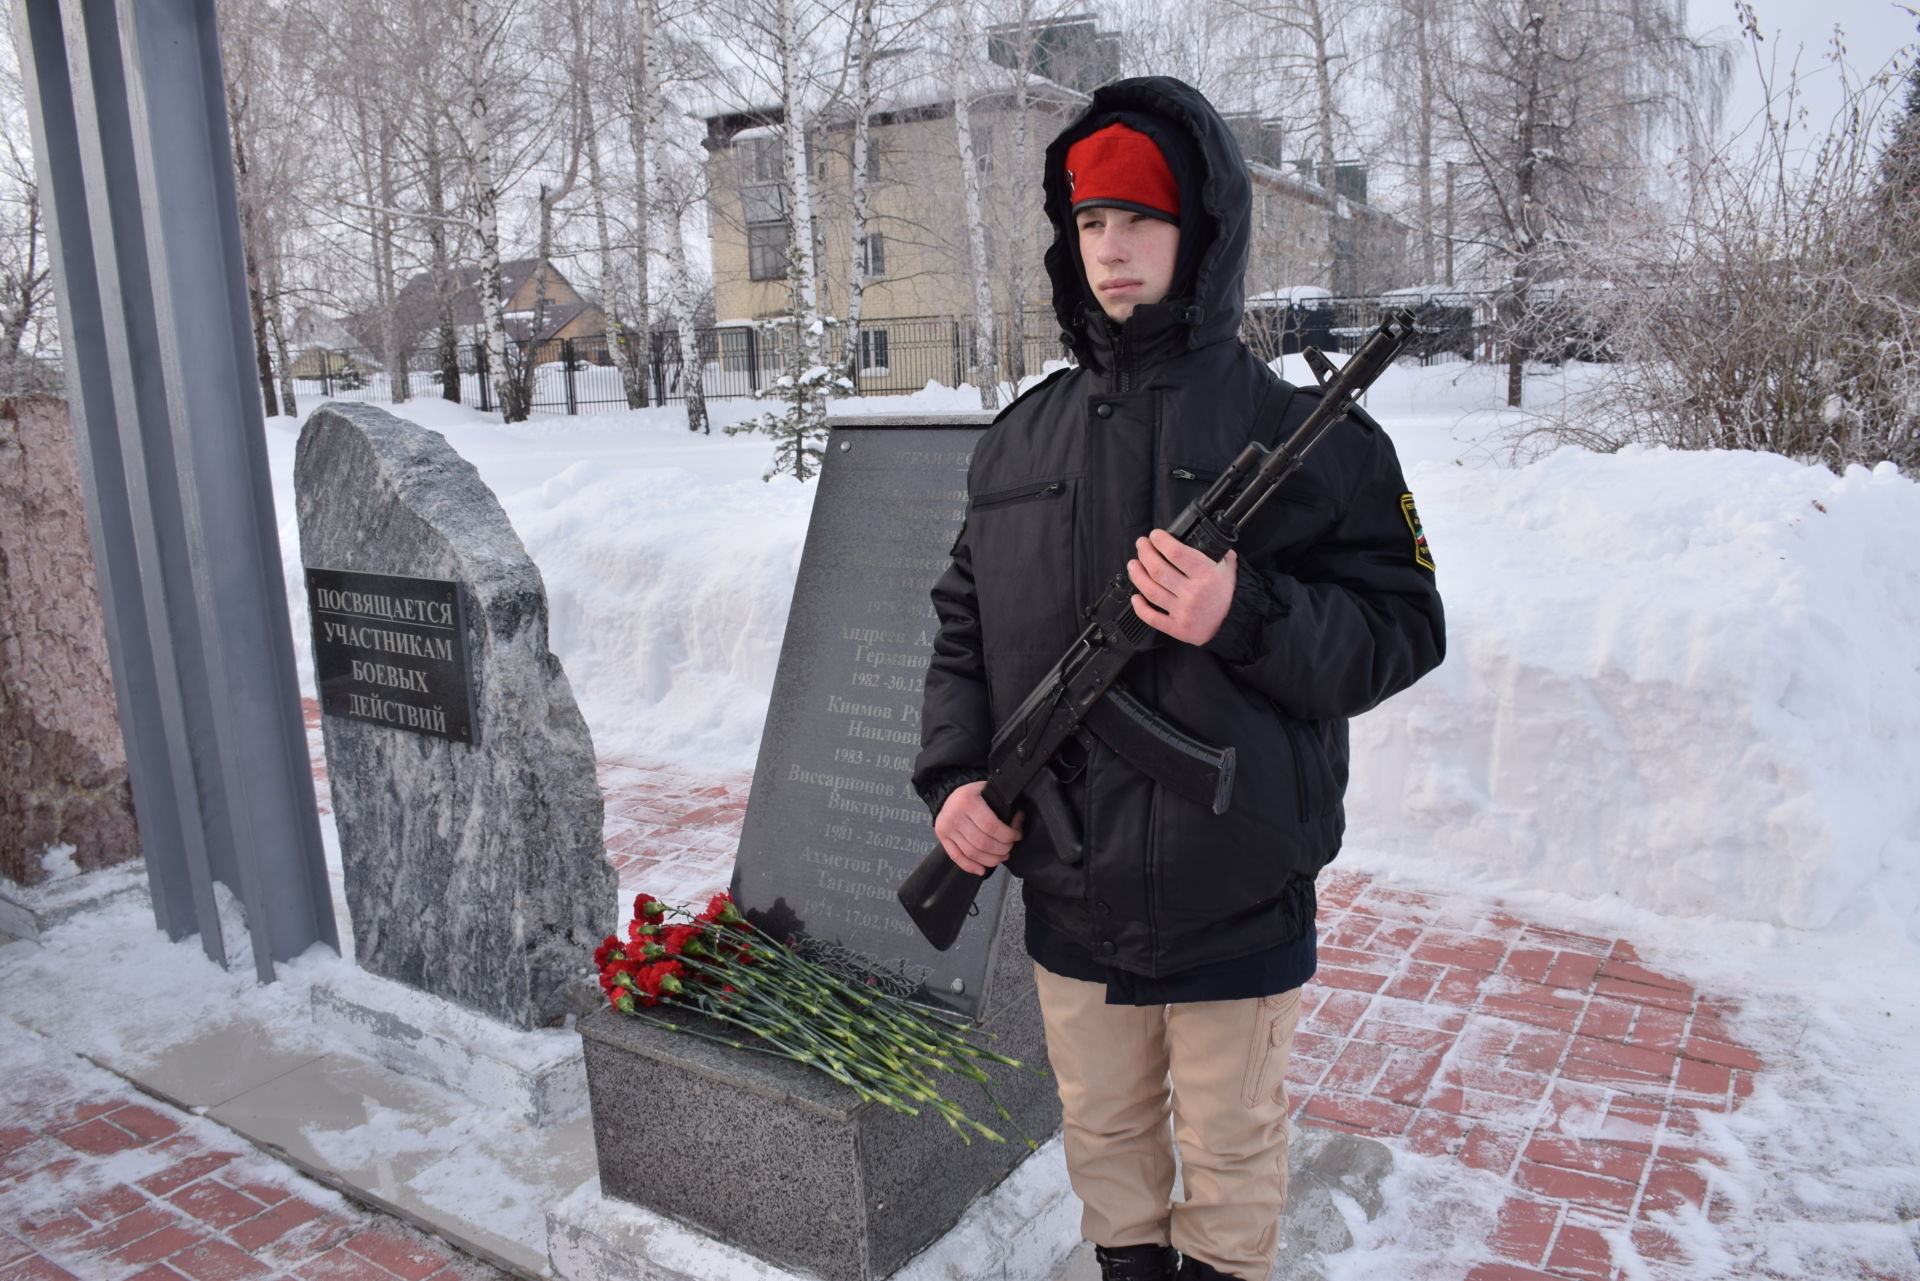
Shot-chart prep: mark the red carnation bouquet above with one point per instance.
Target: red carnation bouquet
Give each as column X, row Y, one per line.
column 719, row 963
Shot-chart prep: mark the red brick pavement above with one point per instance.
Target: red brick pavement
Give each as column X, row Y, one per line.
column 1552, row 1060
column 1555, row 1061
column 200, row 1213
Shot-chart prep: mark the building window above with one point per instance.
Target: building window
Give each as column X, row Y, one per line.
column 873, row 255
column 764, row 202
column 873, row 159
column 766, row 160
column 873, row 351
column 767, row 251
column 982, row 145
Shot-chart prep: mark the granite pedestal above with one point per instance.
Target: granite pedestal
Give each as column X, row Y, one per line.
column 787, row 1164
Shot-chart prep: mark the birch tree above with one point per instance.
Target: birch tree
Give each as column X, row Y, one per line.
column 556, row 187
column 269, row 73
column 481, row 25
column 612, row 265
column 794, row 72
column 1310, row 48
column 865, row 50
column 680, row 190
column 239, row 51
column 1559, row 106
column 982, row 366
column 1409, row 51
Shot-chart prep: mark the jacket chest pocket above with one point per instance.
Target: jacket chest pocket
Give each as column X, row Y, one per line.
column 1033, row 491
column 1023, row 561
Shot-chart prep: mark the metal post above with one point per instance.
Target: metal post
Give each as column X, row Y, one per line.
column 566, row 364
column 326, row 373
column 486, row 377
column 132, row 152
column 753, row 360
column 656, row 359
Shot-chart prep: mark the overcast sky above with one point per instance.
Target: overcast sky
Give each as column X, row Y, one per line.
column 1874, row 31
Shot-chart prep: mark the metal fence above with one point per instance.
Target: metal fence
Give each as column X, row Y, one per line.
column 1455, row 326
column 578, row 374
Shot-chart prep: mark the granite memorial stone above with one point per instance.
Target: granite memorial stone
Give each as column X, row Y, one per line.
column 834, row 825
column 745, row 1146
column 474, row 869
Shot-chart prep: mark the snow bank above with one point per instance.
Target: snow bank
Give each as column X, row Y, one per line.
column 1679, row 681
column 1686, row 679
column 669, row 563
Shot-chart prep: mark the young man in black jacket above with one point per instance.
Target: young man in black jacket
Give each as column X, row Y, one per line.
column 1169, row 960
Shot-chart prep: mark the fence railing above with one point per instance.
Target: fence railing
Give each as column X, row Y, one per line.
column 579, row 375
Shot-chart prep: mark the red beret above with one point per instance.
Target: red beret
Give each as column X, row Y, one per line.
column 1122, row 167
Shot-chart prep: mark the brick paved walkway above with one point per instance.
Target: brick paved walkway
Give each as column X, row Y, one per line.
column 1553, row 1060
column 99, row 1184
column 1557, row 1062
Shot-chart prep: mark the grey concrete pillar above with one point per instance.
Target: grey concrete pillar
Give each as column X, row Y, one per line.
column 134, row 161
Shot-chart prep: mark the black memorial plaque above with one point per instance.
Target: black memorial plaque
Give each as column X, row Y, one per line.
column 392, row 651
column 833, row 825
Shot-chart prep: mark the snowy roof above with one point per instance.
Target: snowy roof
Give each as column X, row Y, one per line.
column 1291, row 293
column 911, row 79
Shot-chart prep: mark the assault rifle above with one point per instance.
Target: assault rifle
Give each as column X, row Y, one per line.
column 1080, row 694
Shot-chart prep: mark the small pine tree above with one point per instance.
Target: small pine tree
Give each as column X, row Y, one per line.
column 799, row 426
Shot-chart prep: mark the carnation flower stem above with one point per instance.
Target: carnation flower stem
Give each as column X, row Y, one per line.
column 880, row 1045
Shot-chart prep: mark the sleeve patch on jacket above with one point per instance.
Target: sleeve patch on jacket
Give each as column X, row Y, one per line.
column 1422, row 554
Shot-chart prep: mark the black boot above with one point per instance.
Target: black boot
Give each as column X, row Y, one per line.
column 1193, row 1270
column 1137, row 1262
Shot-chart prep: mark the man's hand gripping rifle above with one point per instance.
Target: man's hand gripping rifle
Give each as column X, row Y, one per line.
column 1080, row 694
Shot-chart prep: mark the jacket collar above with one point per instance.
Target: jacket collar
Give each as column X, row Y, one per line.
column 1154, row 334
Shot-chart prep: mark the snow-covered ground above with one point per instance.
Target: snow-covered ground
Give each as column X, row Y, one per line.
column 1681, row 703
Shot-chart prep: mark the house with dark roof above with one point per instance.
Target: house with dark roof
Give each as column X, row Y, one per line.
column 568, row 313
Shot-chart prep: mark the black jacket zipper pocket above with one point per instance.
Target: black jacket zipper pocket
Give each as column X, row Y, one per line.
column 1039, row 489
column 1302, row 780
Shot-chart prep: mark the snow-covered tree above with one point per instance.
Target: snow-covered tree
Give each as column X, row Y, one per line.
column 1559, row 108
column 964, row 62
column 1776, row 309
column 794, row 62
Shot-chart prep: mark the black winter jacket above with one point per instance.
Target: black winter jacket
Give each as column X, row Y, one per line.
column 1335, row 606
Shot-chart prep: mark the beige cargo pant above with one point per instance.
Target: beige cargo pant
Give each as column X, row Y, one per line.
column 1226, row 1064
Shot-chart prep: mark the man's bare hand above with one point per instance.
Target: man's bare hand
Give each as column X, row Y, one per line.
column 972, row 834
column 1180, row 591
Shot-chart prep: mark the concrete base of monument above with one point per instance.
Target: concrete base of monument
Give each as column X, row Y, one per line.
column 535, row 1076
column 1025, row 1229
column 27, row 912
column 785, row 1164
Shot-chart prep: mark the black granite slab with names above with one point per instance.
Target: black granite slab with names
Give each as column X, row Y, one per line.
column 392, row 651
column 833, row 825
